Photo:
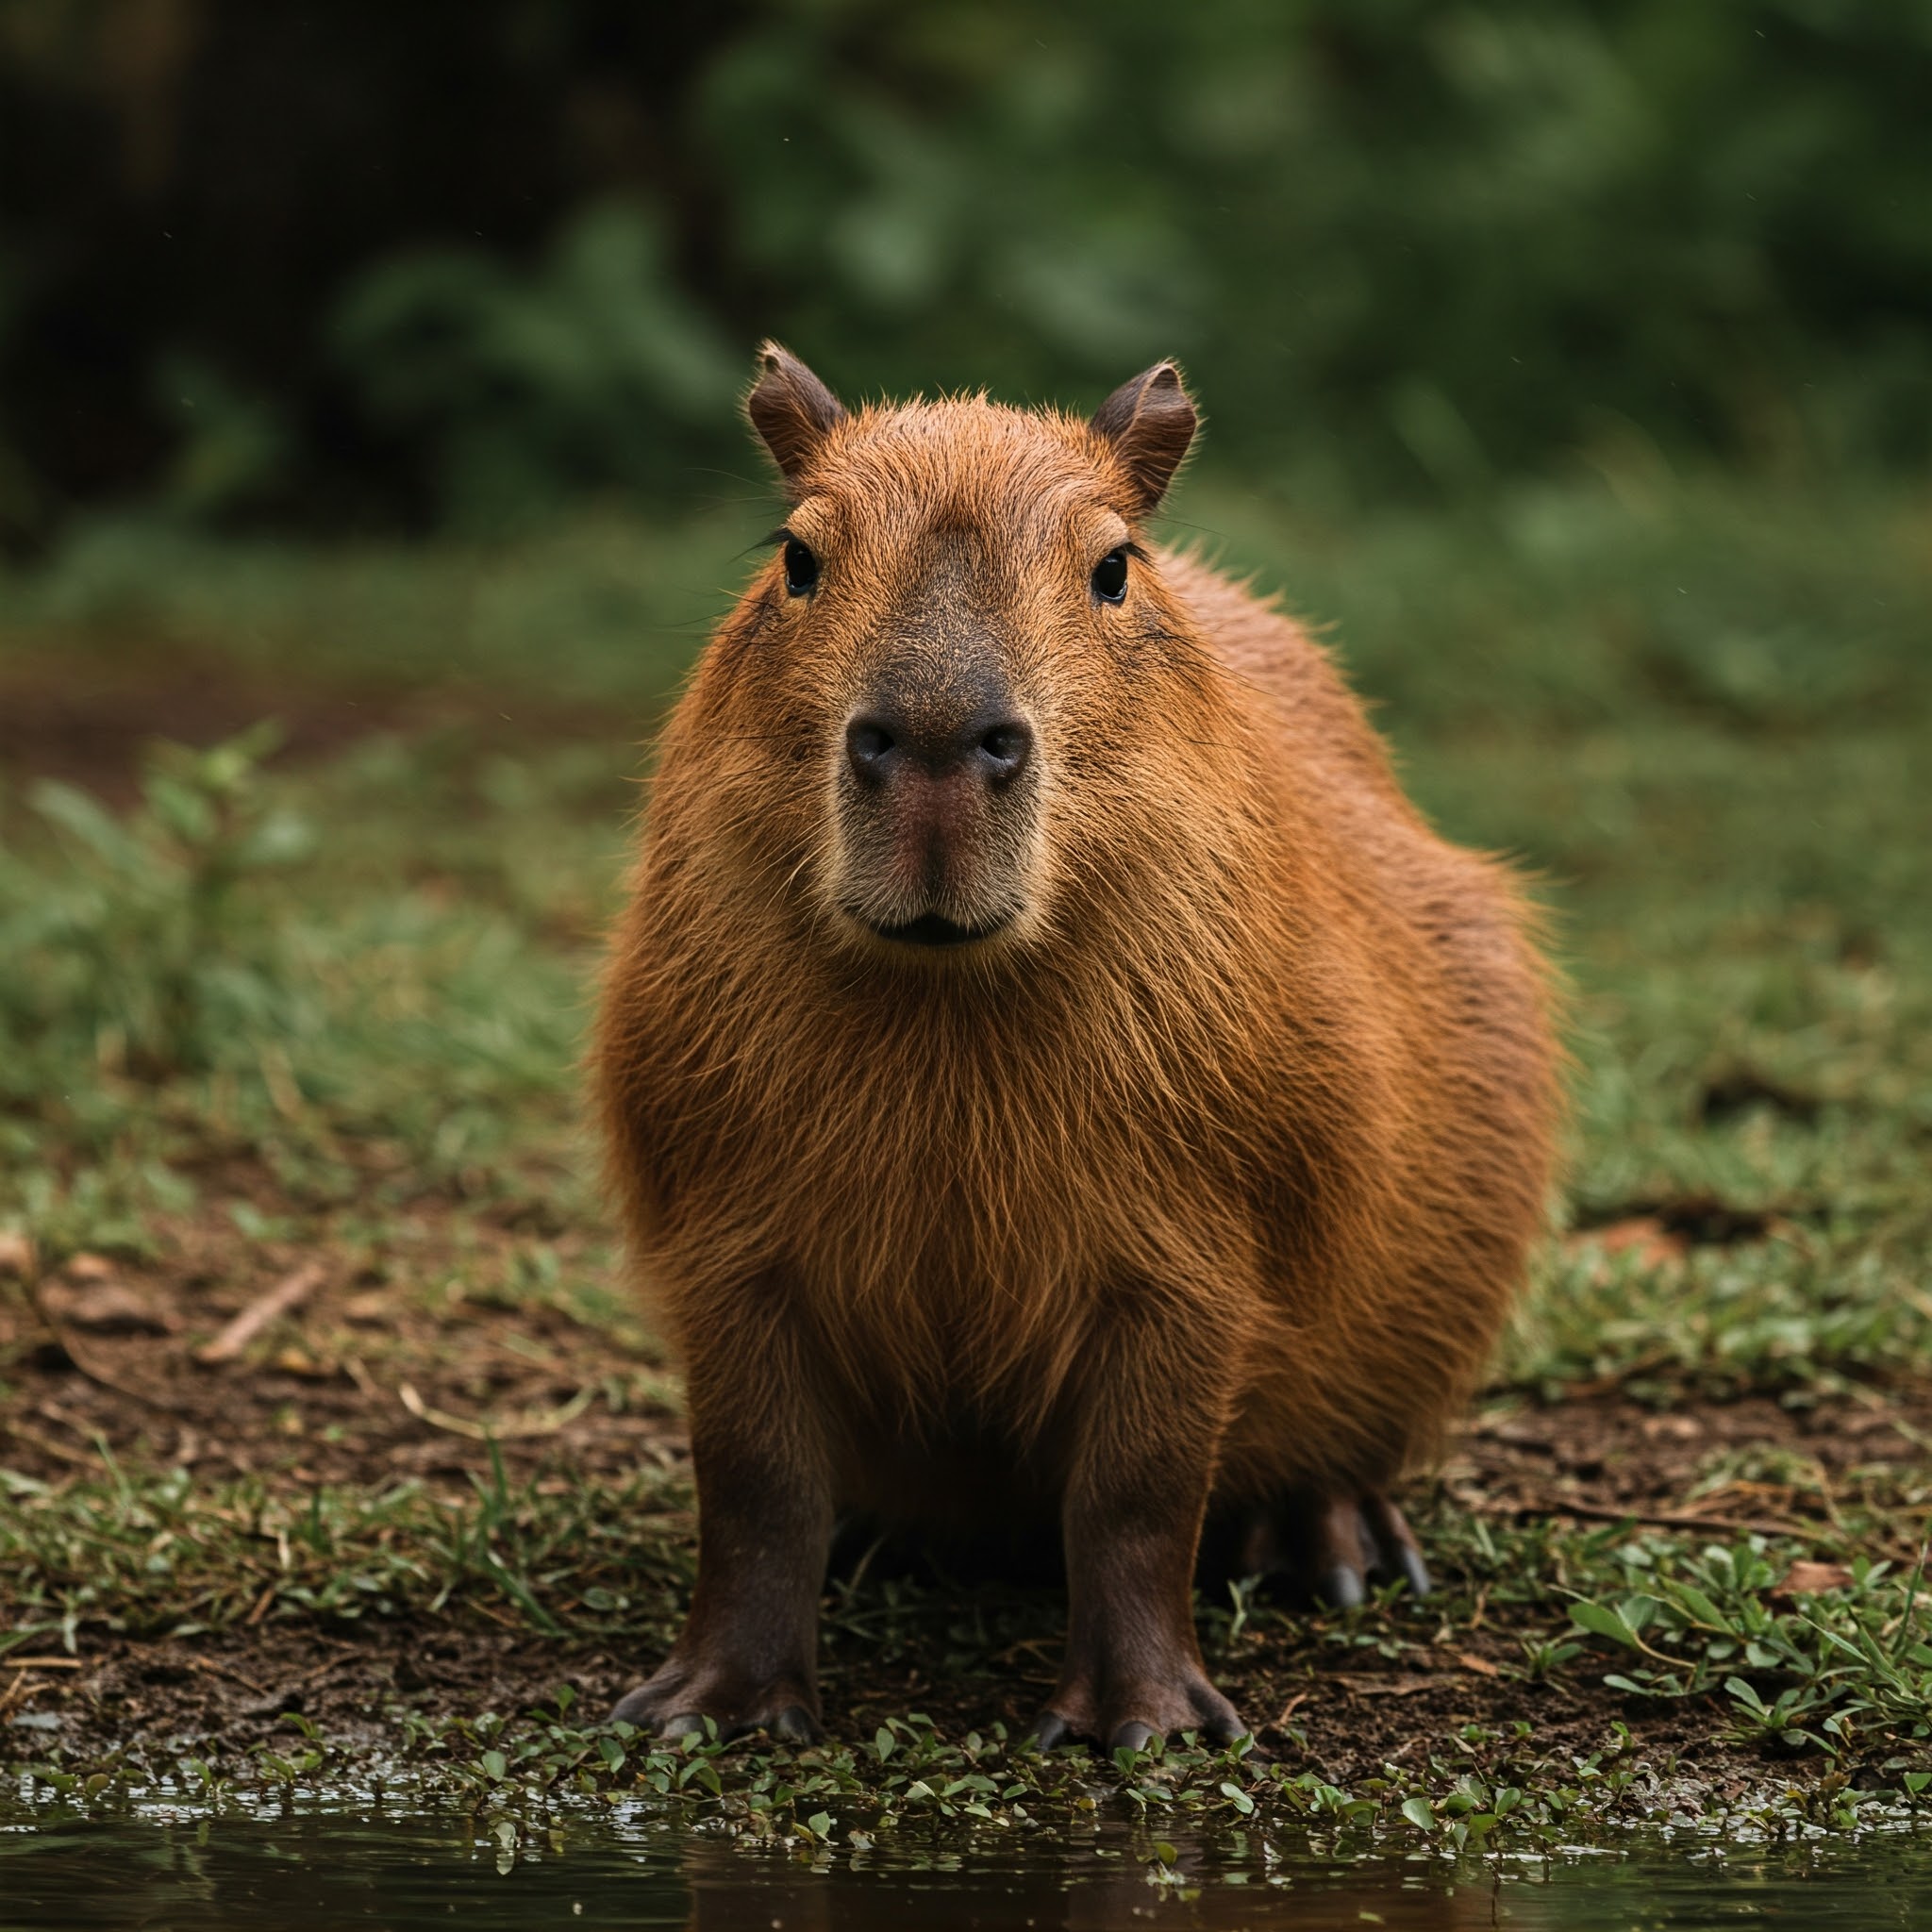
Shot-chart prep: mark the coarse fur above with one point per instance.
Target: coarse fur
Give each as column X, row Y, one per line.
column 1228, row 1144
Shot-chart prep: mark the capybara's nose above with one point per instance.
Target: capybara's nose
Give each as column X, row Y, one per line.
column 990, row 743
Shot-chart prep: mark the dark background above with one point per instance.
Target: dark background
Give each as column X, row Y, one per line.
column 360, row 266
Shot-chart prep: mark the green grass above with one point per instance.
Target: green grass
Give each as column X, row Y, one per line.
column 152, row 1554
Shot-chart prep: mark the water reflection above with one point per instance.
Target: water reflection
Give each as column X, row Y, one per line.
column 1065, row 1892
column 308, row 1872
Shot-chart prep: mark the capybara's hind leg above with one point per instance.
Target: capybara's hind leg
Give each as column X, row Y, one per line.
column 747, row 1657
column 1335, row 1543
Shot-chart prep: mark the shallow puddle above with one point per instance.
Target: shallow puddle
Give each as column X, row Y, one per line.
column 325, row 1869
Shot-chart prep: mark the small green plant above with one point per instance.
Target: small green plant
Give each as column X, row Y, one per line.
column 1798, row 1673
column 148, row 954
column 1543, row 1656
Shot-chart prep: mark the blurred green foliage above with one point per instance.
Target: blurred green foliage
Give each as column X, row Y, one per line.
column 592, row 366
column 468, row 262
column 132, row 959
column 137, row 959
column 1406, row 236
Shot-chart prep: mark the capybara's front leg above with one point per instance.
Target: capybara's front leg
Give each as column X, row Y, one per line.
column 748, row 1654
column 1153, row 1412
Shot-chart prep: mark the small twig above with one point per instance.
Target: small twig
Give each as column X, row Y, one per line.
column 1604, row 1512
column 42, row 1663
column 48, row 1446
column 17, row 1693
column 288, row 1293
column 234, row 1676
column 1041, row 1651
column 540, row 1423
column 321, row 1670
column 170, row 1658
column 528, row 1356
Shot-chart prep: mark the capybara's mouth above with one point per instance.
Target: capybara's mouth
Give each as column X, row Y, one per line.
column 934, row 929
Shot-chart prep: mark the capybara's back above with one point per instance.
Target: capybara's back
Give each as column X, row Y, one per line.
column 1052, row 1072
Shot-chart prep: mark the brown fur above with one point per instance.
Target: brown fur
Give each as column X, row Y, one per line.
column 1218, row 1166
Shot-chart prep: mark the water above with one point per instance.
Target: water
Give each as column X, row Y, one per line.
column 325, row 1870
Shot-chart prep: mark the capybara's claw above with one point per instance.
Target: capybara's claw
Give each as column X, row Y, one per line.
column 673, row 1712
column 1342, row 1586
column 642, row 1705
column 1139, row 1714
column 1415, row 1573
column 1049, row 1732
column 795, row 1724
column 1397, row 1554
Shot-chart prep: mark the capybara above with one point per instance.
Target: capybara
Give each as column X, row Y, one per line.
column 1053, row 1075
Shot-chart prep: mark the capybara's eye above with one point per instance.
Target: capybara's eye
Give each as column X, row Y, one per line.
column 1111, row 576
column 801, row 568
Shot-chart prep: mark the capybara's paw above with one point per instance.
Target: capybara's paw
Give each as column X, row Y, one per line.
column 677, row 1701
column 1341, row 1544
column 1133, row 1714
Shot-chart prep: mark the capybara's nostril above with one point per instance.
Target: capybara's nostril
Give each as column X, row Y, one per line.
column 868, row 746
column 1003, row 751
column 886, row 741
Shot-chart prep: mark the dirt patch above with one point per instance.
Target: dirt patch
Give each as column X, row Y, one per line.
column 393, row 1363
column 87, row 716
column 387, row 1366
column 1750, row 1465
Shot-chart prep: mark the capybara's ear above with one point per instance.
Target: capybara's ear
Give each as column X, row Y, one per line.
column 1150, row 421
column 791, row 409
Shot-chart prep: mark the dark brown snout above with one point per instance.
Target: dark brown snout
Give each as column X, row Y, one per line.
column 938, row 807
column 988, row 744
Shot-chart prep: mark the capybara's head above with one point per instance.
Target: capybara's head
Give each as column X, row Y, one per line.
column 961, row 664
